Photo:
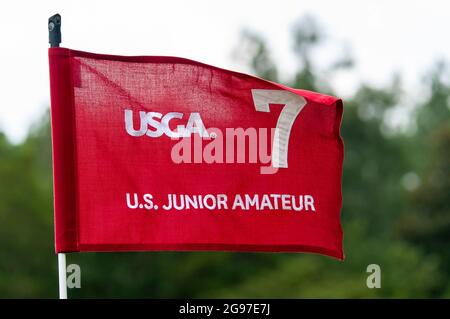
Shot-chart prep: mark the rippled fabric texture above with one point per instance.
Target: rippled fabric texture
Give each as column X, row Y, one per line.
column 164, row 153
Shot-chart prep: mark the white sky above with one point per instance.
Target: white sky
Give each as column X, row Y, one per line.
column 384, row 37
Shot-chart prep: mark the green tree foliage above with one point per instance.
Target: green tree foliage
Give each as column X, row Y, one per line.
column 396, row 212
column 427, row 223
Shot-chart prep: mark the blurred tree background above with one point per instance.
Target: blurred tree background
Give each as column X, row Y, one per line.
column 396, row 212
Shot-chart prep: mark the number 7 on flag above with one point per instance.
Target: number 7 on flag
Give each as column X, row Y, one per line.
column 293, row 104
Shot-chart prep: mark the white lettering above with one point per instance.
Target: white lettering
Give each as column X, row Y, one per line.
column 154, row 124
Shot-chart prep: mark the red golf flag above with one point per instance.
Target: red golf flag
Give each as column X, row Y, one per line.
column 165, row 153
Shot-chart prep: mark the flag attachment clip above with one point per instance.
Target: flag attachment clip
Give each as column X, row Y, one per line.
column 54, row 30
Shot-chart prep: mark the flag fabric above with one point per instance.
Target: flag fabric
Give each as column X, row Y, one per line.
column 164, row 153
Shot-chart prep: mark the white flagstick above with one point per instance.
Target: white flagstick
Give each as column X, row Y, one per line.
column 62, row 272
column 54, row 37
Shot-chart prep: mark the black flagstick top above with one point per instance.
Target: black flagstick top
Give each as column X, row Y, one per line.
column 54, row 30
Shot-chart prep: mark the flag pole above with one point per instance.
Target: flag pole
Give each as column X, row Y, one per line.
column 62, row 274
column 54, row 38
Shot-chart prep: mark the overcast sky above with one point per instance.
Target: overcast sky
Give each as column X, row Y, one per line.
column 384, row 37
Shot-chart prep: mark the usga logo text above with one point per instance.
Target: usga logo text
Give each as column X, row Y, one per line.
column 154, row 124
